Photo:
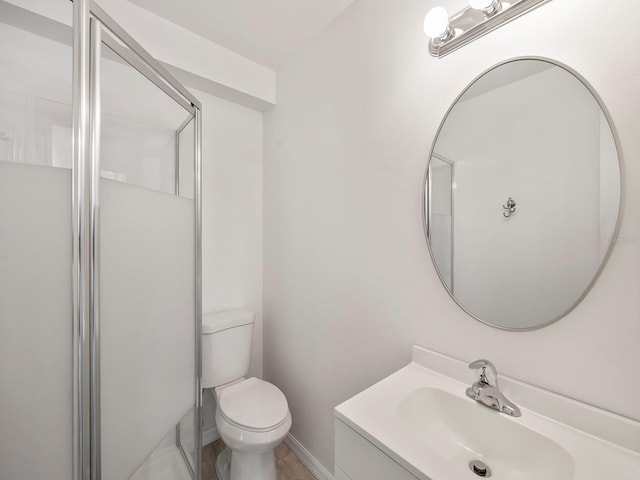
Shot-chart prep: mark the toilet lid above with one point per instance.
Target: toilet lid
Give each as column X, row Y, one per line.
column 254, row 404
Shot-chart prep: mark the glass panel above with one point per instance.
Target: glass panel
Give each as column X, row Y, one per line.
column 35, row 94
column 147, row 319
column 147, row 279
column 36, row 326
column 186, row 438
column 140, row 128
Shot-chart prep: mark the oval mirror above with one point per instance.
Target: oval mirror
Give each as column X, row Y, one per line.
column 522, row 194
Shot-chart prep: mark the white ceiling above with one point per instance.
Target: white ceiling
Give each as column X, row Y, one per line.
column 265, row 31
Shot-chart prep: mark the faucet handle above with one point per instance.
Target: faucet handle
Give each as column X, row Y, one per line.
column 482, row 365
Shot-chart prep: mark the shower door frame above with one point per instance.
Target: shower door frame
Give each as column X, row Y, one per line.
column 89, row 21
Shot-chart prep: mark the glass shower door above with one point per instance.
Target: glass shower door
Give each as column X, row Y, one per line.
column 36, row 328
column 147, row 276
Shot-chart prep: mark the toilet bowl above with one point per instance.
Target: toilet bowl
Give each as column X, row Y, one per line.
column 252, row 416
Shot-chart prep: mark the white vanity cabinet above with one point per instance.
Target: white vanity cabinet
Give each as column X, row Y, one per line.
column 359, row 459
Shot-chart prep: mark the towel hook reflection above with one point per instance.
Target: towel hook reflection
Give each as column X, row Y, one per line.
column 509, row 208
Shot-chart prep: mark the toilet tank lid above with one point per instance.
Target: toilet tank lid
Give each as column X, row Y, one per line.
column 218, row 321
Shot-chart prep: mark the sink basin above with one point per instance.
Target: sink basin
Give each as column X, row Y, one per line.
column 420, row 418
column 461, row 431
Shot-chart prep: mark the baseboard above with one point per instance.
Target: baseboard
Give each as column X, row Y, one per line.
column 313, row 465
column 210, row 436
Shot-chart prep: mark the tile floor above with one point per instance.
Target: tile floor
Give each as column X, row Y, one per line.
column 287, row 464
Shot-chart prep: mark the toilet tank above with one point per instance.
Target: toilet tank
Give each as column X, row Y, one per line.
column 226, row 346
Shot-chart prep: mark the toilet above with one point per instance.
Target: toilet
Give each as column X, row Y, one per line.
column 252, row 416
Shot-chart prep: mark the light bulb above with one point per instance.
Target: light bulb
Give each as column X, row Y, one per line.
column 480, row 4
column 436, row 23
column 487, row 6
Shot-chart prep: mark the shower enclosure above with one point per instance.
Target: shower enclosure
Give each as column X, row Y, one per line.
column 441, row 192
column 100, row 246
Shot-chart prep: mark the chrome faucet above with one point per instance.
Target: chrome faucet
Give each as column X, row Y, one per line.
column 485, row 389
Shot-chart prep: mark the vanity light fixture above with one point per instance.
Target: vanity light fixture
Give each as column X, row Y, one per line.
column 447, row 34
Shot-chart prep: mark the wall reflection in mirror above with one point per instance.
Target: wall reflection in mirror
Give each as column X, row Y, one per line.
column 532, row 133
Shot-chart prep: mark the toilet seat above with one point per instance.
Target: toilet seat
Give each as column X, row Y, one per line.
column 253, row 405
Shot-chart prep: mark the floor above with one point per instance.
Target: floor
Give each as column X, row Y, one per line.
column 287, row 464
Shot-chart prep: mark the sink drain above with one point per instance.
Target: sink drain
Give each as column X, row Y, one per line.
column 480, row 469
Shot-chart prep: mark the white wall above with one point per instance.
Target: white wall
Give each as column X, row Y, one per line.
column 181, row 48
column 349, row 284
column 232, row 211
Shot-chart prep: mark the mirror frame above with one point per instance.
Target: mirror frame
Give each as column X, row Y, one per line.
column 621, row 201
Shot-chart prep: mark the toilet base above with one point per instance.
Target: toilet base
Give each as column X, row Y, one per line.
column 223, row 465
column 246, row 466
